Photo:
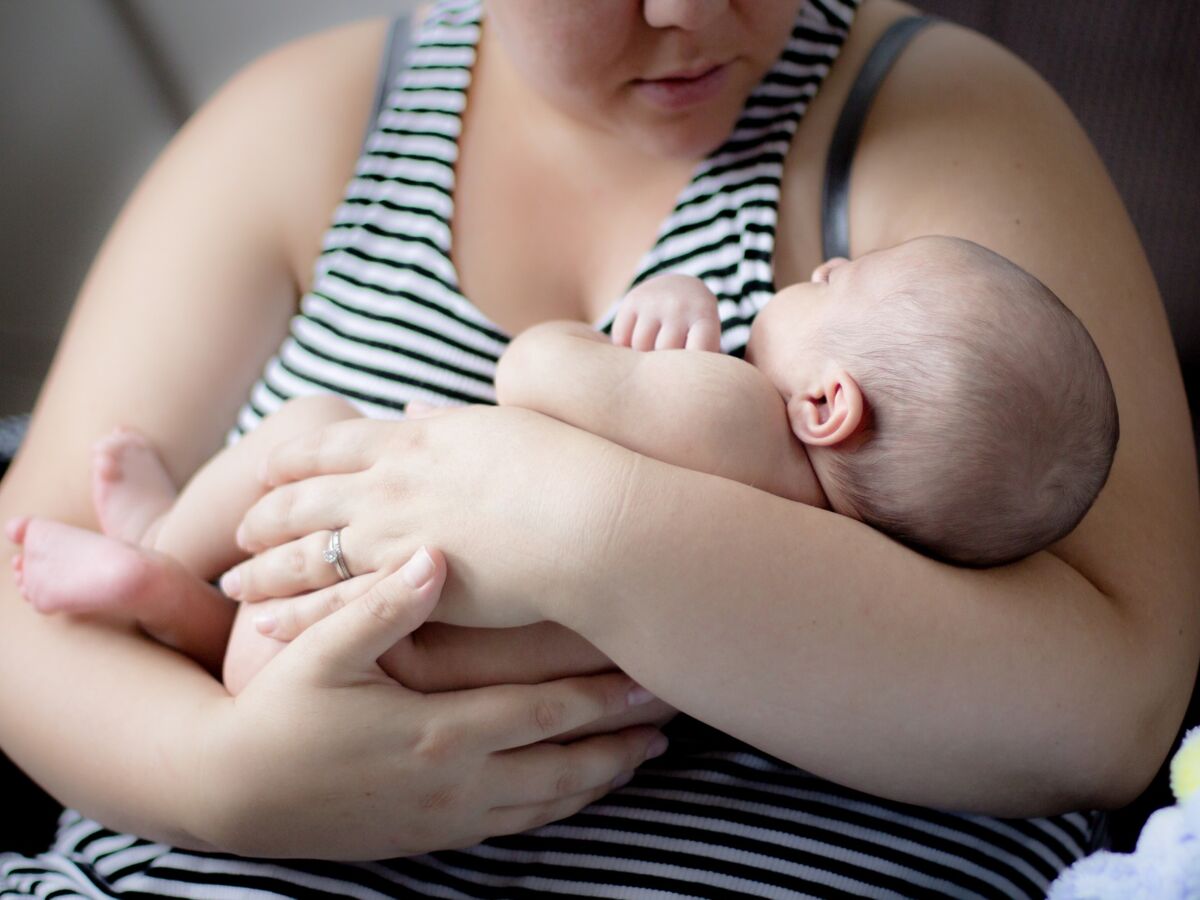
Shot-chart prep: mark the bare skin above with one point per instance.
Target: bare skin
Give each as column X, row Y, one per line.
column 1107, row 664
column 1013, row 160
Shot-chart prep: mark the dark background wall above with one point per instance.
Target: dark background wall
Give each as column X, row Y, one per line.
column 1130, row 70
column 92, row 91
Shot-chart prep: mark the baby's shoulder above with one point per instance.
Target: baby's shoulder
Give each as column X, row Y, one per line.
column 721, row 389
column 719, row 376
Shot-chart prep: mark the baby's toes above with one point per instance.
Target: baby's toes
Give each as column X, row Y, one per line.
column 110, row 450
column 18, row 570
column 15, row 529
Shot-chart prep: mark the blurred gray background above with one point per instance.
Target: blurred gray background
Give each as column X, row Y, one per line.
column 92, row 90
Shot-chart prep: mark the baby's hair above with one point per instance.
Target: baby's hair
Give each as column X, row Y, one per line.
column 991, row 422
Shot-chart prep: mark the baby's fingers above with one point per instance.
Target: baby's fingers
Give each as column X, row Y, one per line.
column 705, row 334
column 645, row 332
column 623, row 325
column 671, row 336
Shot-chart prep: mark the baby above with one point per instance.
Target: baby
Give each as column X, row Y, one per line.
column 933, row 390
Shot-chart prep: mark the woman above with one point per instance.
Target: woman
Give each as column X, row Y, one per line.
column 1049, row 686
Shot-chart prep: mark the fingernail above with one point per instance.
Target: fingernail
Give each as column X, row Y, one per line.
column 621, row 780
column 265, row 623
column 231, row 583
column 419, row 570
column 639, row 695
column 656, row 747
column 239, row 536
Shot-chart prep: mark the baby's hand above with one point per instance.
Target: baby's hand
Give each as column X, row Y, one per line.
column 669, row 312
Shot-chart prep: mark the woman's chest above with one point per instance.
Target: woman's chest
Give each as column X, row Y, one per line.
column 531, row 243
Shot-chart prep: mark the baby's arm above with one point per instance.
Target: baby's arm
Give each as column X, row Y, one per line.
column 703, row 411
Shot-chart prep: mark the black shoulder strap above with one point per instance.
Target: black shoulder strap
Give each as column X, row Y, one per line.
column 394, row 52
column 835, row 199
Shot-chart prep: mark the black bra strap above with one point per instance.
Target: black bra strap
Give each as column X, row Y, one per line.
column 394, row 53
column 835, row 199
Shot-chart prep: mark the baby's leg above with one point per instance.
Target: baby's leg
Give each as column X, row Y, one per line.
column 131, row 488
column 199, row 528
column 65, row 569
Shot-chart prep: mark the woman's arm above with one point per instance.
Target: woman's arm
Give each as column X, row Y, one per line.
column 190, row 293
column 189, row 296
column 1051, row 684
column 1055, row 683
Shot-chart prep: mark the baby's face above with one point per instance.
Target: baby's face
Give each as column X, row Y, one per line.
column 783, row 340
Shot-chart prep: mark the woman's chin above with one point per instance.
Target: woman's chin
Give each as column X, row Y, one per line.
column 683, row 141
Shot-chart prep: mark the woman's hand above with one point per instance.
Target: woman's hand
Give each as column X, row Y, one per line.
column 323, row 755
column 478, row 482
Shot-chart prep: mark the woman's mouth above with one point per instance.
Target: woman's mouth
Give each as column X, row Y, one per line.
column 681, row 90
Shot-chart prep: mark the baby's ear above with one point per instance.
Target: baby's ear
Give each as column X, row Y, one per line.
column 829, row 412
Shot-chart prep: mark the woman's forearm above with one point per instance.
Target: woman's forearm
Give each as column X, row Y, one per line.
column 1012, row 691
column 105, row 720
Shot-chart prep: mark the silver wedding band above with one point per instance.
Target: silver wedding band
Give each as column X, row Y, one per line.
column 333, row 554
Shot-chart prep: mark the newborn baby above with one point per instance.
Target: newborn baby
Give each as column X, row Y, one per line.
column 933, row 390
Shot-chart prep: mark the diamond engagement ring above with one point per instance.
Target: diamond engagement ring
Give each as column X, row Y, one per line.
column 333, row 554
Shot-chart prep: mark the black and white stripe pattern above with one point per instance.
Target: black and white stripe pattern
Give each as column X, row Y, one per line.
column 385, row 323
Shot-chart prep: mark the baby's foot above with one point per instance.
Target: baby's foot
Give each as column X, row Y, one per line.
column 130, row 486
column 669, row 312
column 65, row 569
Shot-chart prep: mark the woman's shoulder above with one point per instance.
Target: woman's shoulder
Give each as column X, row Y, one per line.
column 949, row 87
column 300, row 112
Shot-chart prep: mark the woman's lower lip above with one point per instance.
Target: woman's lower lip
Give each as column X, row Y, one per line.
column 679, row 93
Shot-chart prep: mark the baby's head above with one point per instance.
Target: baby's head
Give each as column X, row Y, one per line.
column 946, row 397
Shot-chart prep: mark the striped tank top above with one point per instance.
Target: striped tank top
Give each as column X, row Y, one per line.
column 385, row 323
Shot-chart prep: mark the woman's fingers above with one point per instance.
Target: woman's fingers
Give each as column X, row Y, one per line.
column 603, row 763
column 297, row 567
column 515, row 715
column 286, row 619
column 352, row 639
column 347, row 446
column 545, row 772
column 517, row 819
column 291, row 511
